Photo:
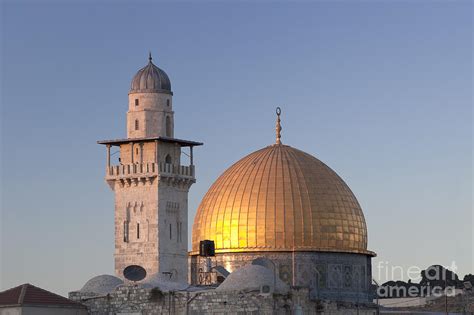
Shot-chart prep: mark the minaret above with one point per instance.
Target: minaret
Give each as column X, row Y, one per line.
column 150, row 181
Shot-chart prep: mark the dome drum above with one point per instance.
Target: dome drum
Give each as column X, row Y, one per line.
column 329, row 275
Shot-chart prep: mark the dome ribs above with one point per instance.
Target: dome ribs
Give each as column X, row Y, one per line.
column 209, row 202
column 279, row 198
column 265, row 237
column 150, row 79
column 254, row 195
column 299, row 233
column 251, row 224
column 289, row 213
column 307, row 223
column 237, row 208
column 224, row 192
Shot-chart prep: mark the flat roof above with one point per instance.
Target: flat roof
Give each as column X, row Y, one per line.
column 183, row 143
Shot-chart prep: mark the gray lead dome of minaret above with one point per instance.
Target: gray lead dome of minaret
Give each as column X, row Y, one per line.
column 150, row 79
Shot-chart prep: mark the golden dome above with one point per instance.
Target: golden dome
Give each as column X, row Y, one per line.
column 280, row 199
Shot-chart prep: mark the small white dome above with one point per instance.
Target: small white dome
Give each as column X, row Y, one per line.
column 102, row 284
column 252, row 277
column 160, row 281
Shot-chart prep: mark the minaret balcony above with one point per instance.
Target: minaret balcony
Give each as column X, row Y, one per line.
column 144, row 170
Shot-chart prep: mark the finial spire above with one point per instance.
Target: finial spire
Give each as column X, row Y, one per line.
column 278, row 126
column 149, row 56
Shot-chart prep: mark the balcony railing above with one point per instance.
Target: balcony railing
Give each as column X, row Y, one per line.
column 133, row 170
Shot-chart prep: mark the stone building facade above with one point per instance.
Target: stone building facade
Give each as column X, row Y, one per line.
column 150, row 181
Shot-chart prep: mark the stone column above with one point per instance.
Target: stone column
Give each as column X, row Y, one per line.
column 108, row 156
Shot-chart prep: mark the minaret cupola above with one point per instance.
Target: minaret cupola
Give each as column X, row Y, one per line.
column 150, row 109
column 151, row 79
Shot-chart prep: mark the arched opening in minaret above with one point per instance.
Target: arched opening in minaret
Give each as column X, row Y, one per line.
column 168, row 159
column 168, row 126
column 136, row 124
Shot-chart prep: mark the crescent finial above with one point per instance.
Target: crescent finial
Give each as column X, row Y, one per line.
column 278, row 126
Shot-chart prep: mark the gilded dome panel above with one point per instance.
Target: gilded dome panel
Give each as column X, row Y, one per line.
column 280, row 199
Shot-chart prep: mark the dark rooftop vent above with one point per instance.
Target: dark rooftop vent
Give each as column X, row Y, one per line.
column 206, row 248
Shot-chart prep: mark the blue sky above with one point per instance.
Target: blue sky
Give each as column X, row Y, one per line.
column 379, row 91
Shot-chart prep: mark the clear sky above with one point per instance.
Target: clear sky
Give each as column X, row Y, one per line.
column 379, row 91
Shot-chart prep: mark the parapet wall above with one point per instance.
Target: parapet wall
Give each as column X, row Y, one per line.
column 131, row 299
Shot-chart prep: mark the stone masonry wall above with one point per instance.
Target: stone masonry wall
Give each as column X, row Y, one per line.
column 128, row 299
column 151, row 112
column 136, row 206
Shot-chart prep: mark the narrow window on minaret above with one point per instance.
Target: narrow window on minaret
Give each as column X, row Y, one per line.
column 136, row 102
column 170, row 232
column 167, row 102
column 138, row 230
column 136, row 124
column 125, row 231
